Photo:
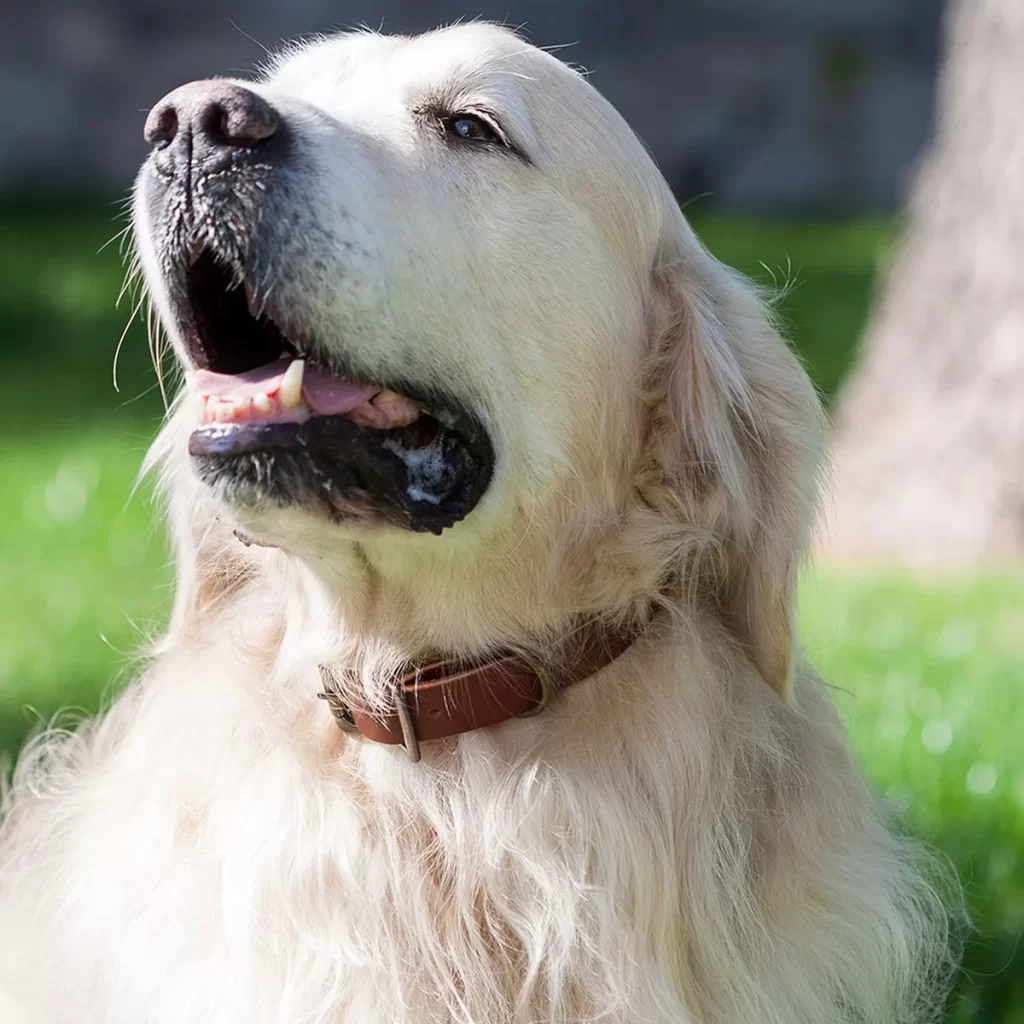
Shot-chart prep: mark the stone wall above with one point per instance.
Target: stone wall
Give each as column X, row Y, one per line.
column 762, row 103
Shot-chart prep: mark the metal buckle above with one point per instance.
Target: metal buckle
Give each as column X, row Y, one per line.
column 340, row 710
column 343, row 715
column 547, row 690
column 410, row 741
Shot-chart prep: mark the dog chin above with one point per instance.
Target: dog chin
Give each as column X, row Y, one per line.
column 422, row 476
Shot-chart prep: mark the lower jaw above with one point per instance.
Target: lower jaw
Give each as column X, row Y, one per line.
column 424, row 476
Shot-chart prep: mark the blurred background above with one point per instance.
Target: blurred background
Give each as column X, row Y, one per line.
column 863, row 159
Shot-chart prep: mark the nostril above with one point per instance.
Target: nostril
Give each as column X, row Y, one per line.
column 161, row 125
column 212, row 122
column 215, row 115
column 240, row 118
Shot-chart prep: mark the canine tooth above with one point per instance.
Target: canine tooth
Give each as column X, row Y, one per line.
column 291, row 384
column 223, row 411
column 241, row 404
column 261, row 402
column 385, row 396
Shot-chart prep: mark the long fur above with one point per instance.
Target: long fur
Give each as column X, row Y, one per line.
column 681, row 838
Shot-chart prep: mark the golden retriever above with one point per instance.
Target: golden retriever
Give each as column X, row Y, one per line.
column 460, row 382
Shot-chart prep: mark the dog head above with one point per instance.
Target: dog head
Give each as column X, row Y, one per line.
column 436, row 306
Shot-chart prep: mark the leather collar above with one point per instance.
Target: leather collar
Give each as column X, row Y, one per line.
column 449, row 697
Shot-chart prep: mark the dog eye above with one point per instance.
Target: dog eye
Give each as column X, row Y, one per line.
column 471, row 128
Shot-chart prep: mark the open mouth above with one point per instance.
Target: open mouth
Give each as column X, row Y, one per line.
column 276, row 426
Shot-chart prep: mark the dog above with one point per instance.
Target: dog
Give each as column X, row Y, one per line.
column 481, row 699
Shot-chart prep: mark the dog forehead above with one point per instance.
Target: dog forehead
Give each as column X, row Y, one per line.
column 576, row 139
column 467, row 57
column 366, row 75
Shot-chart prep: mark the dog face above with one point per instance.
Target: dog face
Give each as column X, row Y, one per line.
column 434, row 229
column 432, row 283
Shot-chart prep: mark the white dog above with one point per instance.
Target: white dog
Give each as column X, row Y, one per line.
column 461, row 385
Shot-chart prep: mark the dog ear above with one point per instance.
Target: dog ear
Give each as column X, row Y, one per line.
column 738, row 435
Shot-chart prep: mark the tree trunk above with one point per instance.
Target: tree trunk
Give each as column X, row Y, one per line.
column 929, row 441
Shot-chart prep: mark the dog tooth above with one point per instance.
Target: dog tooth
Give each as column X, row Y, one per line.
column 366, row 415
column 398, row 410
column 291, row 384
column 223, row 411
column 241, row 404
column 261, row 402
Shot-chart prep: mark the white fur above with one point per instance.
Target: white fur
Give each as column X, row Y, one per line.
column 682, row 837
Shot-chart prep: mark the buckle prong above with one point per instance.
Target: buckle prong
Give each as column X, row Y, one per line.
column 409, row 738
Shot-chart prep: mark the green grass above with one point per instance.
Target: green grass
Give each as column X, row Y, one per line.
column 82, row 577
column 820, row 275
column 930, row 676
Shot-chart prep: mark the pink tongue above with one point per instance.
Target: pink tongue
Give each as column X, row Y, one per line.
column 324, row 394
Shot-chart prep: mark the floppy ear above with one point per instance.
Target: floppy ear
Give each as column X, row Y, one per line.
column 739, row 430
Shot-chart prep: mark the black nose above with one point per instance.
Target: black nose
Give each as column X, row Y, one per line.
column 213, row 115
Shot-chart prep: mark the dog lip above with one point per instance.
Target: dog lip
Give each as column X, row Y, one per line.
column 243, row 438
column 424, row 476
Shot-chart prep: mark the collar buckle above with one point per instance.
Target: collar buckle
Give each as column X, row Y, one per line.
column 410, row 741
column 547, row 691
column 343, row 716
column 340, row 710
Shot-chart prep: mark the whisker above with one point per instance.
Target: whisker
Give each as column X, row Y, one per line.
column 120, row 235
column 156, row 340
column 124, row 334
column 131, row 278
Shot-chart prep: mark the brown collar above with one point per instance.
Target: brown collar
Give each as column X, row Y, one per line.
column 446, row 698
